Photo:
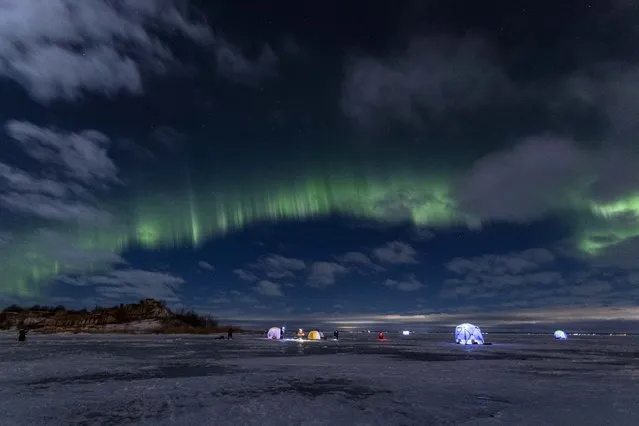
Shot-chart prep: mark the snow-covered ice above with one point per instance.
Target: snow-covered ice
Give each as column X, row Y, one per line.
column 406, row 380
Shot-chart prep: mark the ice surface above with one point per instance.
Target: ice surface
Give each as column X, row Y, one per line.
column 405, row 380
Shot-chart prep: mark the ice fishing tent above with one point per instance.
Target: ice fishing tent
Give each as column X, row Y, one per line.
column 468, row 334
column 274, row 333
column 561, row 335
column 314, row 335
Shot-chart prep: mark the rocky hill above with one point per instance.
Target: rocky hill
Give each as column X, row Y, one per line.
column 146, row 316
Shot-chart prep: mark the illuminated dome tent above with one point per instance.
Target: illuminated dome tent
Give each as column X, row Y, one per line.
column 314, row 335
column 561, row 335
column 274, row 333
column 468, row 334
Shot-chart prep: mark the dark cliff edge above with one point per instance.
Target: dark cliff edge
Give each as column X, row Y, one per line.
column 146, row 316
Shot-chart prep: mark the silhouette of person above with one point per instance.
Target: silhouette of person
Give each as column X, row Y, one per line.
column 230, row 334
column 336, row 334
column 22, row 335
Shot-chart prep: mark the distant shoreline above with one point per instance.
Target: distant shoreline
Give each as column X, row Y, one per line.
column 148, row 316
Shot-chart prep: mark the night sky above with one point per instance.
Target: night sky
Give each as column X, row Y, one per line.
column 281, row 160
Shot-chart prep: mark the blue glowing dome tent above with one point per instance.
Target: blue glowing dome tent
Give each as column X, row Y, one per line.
column 560, row 335
column 468, row 334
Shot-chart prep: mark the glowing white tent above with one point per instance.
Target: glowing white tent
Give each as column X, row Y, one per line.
column 274, row 333
column 468, row 334
column 561, row 335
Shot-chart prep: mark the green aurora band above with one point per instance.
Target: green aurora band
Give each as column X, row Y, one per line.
column 193, row 216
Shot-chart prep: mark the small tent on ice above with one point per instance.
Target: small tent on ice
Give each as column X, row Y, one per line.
column 468, row 334
column 274, row 333
column 561, row 335
column 314, row 335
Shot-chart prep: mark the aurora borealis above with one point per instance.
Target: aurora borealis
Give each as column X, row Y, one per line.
column 151, row 139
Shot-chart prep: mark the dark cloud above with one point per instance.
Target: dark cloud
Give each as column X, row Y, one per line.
column 431, row 76
column 76, row 165
column 612, row 89
column 47, row 207
column 422, row 234
column 490, row 276
column 276, row 266
column 245, row 275
column 5, row 238
column 82, row 156
column 131, row 284
column 232, row 63
column 269, row 288
column 396, row 252
column 206, row 265
column 168, row 136
column 524, row 182
column 324, row 274
column 545, row 175
column 409, row 284
column 514, row 263
column 92, row 46
column 618, row 254
column 359, row 262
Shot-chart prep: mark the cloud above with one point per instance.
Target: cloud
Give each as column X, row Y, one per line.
column 513, row 263
column 23, row 182
column 529, row 276
column 245, row 275
column 48, row 207
column 233, row 64
column 60, row 49
column 82, row 156
column 205, row 265
column 5, row 238
column 396, row 252
column 524, row 182
column 410, row 284
column 486, row 276
column 422, row 234
column 277, row 267
column 620, row 254
column 168, row 136
column 269, row 288
column 360, row 262
column 432, row 76
column 324, row 274
column 611, row 88
column 40, row 246
column 73, row 166
column 130, row 284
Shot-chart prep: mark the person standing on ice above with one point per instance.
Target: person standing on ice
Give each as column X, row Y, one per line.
column 22, row 335
column 336, row 334
column 230, row 333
